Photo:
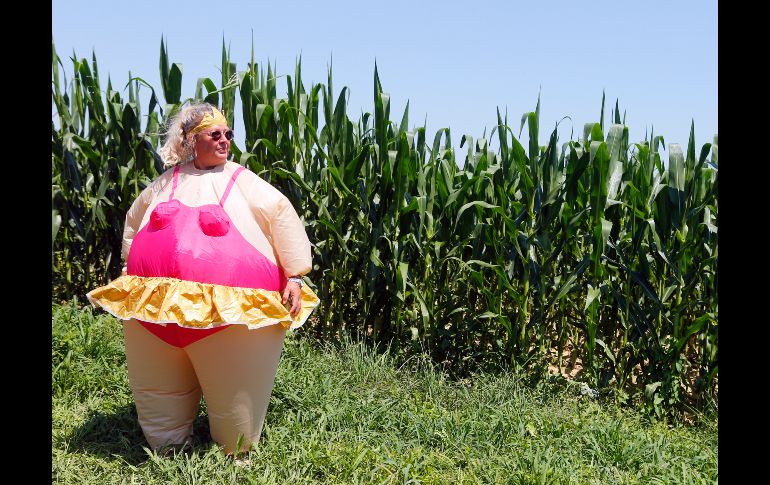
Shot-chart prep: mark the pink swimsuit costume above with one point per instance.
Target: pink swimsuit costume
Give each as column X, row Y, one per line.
column 198, row 244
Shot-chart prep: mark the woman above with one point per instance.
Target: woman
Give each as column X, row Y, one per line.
column 214, row 257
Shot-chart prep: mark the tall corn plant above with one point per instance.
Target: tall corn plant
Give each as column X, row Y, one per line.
column 591, row 249
column 101, row 158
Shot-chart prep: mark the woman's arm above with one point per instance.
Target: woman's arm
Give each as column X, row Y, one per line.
column 293, row 249
column 290, row 240
column 134, row 218
column 284, row 231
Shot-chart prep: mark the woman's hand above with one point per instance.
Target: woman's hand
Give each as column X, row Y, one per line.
column 292, row 293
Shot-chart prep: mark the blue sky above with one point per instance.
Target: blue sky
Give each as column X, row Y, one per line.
column 455, row 62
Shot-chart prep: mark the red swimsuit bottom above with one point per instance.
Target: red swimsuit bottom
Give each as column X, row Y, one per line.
column 178, row 336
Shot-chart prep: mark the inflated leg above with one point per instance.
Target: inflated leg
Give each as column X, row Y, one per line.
column 236, row 370
column 164, row 386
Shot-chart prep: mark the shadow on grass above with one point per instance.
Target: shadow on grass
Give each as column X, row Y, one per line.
column 118, row 434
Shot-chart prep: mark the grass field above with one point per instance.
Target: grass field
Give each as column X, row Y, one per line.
column 346, row 415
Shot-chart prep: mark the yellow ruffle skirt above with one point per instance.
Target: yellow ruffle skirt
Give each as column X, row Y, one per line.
column 197, row 305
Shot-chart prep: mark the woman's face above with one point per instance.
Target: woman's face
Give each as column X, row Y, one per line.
column 211, row 147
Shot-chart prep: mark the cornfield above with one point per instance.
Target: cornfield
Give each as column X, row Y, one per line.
column 591, row 251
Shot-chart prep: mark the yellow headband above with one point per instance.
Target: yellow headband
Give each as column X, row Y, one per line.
column 210, row 120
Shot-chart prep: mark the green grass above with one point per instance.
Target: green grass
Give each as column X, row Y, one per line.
column 347, row 415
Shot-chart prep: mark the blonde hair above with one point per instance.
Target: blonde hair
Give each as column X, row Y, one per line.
column 178, row 147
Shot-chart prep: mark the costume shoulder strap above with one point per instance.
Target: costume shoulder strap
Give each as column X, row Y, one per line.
column 173, row 186
column 230, row 184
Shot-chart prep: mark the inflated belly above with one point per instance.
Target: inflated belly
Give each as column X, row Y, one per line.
column 181, row 250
